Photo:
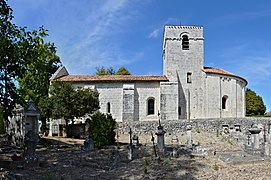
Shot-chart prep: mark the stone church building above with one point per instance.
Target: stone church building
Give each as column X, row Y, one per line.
column 186, row 90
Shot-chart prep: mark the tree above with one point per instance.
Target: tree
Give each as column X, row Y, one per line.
column 11, row 60
column 69, row 103
column 41, row 62
column 102, row 128
column 123, row 71
column 254, row 104
column 101, row 71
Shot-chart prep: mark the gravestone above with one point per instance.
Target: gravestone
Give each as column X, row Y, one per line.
column 255, row 131
column 30, row 142
column 160, row 136
column 88, row 144
column 189, row 135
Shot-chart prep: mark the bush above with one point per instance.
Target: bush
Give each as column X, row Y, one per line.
column 102, row 128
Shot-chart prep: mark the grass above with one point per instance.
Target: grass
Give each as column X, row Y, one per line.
column 215, row 167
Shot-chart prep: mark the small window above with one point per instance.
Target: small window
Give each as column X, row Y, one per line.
column 224, row 102
column 150, row 106
column 108, row 107
column 179, row 110
column 189, row 77
column 185, row 42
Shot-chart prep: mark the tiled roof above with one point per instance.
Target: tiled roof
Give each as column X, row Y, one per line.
column 212, row 70
column 89, row 78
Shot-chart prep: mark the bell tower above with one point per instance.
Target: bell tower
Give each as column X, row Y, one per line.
column 183, row 59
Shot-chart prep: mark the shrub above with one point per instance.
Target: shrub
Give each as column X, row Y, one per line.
column 102, row 128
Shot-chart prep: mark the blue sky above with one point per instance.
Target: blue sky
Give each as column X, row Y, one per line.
column 92, row 33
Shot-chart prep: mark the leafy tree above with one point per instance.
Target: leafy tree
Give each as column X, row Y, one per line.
column 45, row 106
column 101, row 71
column 102, row 128
column 41, row 62
column 11, row 61
column 123, row 71
column 69, row 103
column 254, row 104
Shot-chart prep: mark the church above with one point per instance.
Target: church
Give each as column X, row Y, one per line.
column 186, row 90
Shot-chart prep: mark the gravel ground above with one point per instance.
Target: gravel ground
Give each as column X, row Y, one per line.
column 66, row 160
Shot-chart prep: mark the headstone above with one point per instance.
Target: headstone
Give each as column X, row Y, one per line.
column 255, row 136
column 189, row 135
column 30, row 142
column 87, row 128
column 266, row 149
column 88, row 144
column 161, row 138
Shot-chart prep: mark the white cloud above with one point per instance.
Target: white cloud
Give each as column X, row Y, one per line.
column 94, row 35
column 154, row 33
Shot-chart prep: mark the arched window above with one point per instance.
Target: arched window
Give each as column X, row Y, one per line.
column 108, row 107
column 185, row 42
column 224, row 102
column 150, row 106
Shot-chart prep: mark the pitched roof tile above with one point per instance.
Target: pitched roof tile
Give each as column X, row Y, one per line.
column 89, row 78
column 212, row 70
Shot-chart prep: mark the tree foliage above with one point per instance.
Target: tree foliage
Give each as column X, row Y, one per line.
column 123, row 71
column 101, row 71
column 254, row 104
column 41, row 63
column 26, row 61
column 11, row 60
column 69, row 103
column 102, row 128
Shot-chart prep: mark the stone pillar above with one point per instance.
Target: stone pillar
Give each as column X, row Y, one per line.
column 161, row 138
column 266, row 148
column 255, row 131
column 189, row 135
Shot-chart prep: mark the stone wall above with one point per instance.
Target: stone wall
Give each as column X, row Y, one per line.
column 146, row 127
column 128, row 101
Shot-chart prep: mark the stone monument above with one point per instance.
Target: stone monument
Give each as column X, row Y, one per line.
column 160, row 136
column 189, row 135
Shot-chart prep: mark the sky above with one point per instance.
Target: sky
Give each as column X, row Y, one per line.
column 129, row 33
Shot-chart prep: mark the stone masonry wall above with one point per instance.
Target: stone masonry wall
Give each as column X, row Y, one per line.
column 145, row 127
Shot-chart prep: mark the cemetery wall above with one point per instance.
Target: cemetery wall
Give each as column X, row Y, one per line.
column 179, row 126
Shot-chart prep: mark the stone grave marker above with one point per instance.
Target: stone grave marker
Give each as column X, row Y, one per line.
column 30, row 143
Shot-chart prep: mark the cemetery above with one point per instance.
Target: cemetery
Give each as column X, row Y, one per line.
column 152, row 150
